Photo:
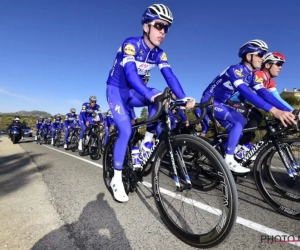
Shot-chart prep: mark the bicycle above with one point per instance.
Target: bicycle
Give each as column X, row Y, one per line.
column 73, row 139
column 95, row 142
column 274, row 142
column 168, row 148
column 57, row 138
column 91, row 142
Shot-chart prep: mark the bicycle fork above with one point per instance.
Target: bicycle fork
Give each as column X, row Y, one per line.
column 288, row 159
column 182, row 167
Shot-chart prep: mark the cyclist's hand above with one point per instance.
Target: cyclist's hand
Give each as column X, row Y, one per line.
column 284, row 116
column 187, row 123
column 132, row 122
column 69, row 127
column 190, row 102
column 87, row 124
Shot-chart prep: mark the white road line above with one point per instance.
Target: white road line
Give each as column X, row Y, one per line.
column 247, row 223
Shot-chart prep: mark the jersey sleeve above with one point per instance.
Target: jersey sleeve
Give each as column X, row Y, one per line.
column 237, row 76
column 257, row 85
column 169, row 76
column 129, row 51
column 82, row 115
column 182, row 115
column 66, row 120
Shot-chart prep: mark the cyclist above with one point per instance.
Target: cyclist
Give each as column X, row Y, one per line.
column 271, row 68
column 56, row 124
column 240, row 78
column 70, row 122
column 136, row 57
column 38, row 126
column 86, row 116
column 46, row 127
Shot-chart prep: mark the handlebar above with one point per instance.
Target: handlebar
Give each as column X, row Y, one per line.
column 158, row 99
column 269, row 123
column 203, row 106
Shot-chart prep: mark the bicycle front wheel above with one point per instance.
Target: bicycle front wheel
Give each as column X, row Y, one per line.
column 200, row 218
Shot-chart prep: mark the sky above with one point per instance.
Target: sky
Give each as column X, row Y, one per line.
column 54, row 54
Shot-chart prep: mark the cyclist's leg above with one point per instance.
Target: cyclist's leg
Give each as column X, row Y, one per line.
column 53, row 126
column 82, row 131
column 106, row 134
column 234, row 123
column 66, row 137
column 117, row 100
column 37, row 126
column 255, row 118
column 137, row 100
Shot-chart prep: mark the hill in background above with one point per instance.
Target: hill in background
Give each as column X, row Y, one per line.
column 34, row 113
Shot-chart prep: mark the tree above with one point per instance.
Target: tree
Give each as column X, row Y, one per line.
column 292, row 100
column 144, row 113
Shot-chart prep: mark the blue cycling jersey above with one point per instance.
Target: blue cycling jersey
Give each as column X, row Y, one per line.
column 134, row 60
column 240, row 78
column 70, row 120
column 87, row 112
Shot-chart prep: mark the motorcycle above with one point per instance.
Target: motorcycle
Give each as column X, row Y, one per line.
column 15, row 134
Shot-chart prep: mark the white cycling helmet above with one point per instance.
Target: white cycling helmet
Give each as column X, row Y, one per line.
column 274, row 57
column 157, row 11
column 93, row 98
column 253, row 46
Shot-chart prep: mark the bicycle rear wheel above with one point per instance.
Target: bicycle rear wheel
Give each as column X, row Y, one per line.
column 95, row 145
column 177, row 211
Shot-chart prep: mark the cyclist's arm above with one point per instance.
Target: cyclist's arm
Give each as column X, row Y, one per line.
column 238, row 82
column 129, row 52
column 67, row 121
column 182, row 115
column 82, row 115
column 279, row 98
column 172, row 117
column 169, row 76
column 258, row 85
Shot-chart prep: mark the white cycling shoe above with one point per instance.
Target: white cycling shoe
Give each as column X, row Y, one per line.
column 234, row 166
column 117, row 187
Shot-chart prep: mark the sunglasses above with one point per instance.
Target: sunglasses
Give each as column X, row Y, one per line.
column 93, row 102
column 160, row 26
column 279, row 64
column 260, row 54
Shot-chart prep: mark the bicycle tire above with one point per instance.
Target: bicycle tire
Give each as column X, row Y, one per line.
column 214, row 237
column 262, row 166
column 95, row 155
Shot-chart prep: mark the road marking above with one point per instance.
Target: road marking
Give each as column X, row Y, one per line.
column 247, row 223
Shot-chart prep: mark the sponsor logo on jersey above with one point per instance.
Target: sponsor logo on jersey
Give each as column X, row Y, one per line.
column 163, row 57
column 258, row 79
column 129, row 49
column 238, row 73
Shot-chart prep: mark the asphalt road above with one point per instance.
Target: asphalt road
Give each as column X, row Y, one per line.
column 93, row 220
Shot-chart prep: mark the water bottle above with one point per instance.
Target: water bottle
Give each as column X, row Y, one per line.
column 145, row 150
column 135, row 157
